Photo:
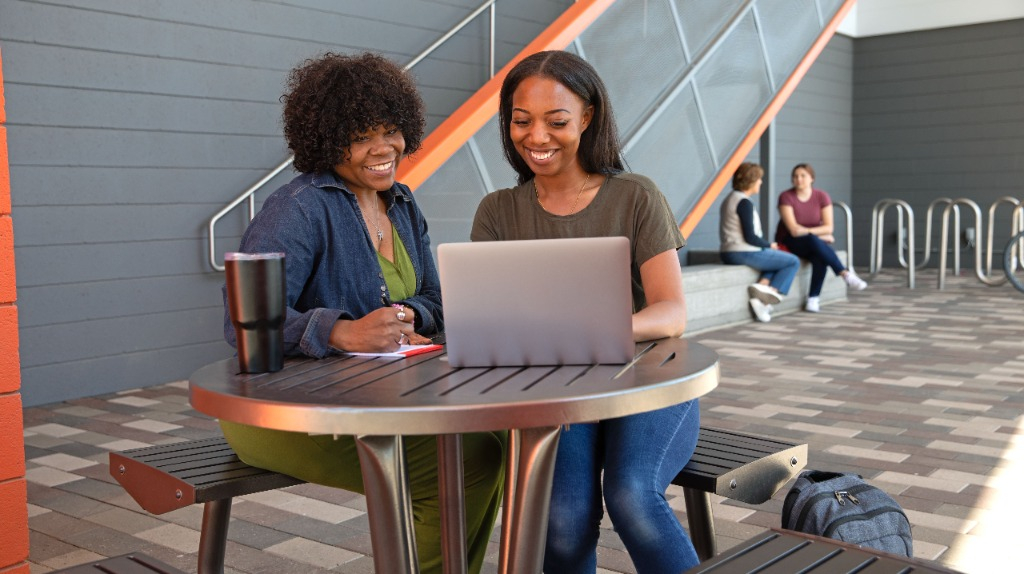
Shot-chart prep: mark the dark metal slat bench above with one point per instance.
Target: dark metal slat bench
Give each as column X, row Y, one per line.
column 126, row 564
column 168, row 477
column 736, row 465
column 779, row 551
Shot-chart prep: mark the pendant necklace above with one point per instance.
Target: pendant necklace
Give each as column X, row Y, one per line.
column 536, row 190
column 376, row 221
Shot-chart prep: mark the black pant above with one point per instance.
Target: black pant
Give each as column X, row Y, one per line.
column 820, row 255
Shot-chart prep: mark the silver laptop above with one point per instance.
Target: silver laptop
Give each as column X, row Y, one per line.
column 537, row 302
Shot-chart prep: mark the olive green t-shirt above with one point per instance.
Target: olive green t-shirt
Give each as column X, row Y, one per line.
column 627, row 205
column 400, row 275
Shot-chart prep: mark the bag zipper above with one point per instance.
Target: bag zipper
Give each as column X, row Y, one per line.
column 822, row 495
column 866, row 516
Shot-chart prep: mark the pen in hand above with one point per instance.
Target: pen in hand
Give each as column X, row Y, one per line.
column 386, row 301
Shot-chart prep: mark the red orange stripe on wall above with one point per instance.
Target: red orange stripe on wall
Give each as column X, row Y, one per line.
column 717, row 186
column 13, row 489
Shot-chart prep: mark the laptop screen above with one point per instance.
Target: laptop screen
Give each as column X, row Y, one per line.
column 537, row 302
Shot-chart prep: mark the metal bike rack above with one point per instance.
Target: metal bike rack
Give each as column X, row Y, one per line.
column 928, row 230
column 905, row 229
column 849, row 232
column 1010, row 259
column 1017, row 221
column 981, row 274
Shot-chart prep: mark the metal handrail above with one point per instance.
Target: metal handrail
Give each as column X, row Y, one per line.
column 903, row 212
column 250, row 193
column 849, row 232
column 978, row 271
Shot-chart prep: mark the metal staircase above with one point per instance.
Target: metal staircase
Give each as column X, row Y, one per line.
column 694, row 84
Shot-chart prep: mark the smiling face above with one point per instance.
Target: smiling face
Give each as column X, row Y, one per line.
column 372, row 159
column 547, row 122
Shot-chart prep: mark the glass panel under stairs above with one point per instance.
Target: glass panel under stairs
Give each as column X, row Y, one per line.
column 688, row 80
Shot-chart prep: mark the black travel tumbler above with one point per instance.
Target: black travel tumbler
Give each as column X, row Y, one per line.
column 256, row 303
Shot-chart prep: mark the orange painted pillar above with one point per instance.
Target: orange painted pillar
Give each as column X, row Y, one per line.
column 13, row 494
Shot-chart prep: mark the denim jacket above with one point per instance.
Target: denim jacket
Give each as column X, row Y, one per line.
column 331, row 265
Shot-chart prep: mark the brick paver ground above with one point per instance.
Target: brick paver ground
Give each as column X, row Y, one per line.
column 920, row 391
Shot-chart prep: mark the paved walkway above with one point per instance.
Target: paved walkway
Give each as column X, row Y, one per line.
column 919, row 391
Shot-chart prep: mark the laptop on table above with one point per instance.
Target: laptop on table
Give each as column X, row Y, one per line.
column 537, row 302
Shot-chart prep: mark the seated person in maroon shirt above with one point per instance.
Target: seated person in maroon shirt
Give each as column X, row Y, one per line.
column 805, row 229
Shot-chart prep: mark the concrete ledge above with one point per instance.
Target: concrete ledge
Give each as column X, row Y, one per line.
column 716, row 293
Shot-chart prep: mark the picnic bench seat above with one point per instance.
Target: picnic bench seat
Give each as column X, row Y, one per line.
column 172, row 476
column 167, row 477
column 788, row 552
column 740, row 466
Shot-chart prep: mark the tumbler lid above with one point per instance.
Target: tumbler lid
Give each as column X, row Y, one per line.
column 236, row 256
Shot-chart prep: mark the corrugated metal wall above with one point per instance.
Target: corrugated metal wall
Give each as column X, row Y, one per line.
column 939, row 113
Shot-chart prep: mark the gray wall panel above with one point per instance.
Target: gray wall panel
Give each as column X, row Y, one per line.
column 131, row 123
column 938, row 113
column 87, row 301
column 84, row 185
column 113, row 261
column 58, row 381
column 110, row 148
column 125, row 334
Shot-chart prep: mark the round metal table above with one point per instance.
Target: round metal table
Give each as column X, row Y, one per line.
column 380, row 399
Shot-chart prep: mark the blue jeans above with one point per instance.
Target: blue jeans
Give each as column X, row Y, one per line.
column 778, row 267
column 640, row 455
column 820, row 255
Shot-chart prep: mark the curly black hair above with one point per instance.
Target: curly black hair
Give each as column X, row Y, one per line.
column 333, row 97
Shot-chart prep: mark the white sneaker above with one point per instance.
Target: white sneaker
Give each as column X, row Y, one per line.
column 813, row 304
column 761, row 311
column 854, row 282
column 764, row 293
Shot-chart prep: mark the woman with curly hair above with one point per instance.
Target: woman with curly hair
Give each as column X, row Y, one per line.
column 356, row 245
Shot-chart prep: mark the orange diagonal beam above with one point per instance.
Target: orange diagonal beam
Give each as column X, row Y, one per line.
column 725, row 174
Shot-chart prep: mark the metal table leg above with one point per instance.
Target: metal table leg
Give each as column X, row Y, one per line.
column 388, row 503
column 451, row 483
column 524, row 525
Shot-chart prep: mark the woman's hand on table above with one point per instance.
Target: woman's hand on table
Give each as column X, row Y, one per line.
column 380, row 331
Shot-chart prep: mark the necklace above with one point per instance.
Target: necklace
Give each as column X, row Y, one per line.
column 536, row 190
column 376, row 221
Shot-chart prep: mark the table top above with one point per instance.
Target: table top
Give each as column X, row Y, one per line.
column 422, row 394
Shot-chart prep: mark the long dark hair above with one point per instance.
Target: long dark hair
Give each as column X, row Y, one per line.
column 599, row 150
